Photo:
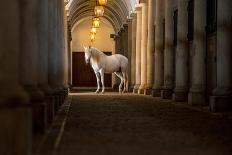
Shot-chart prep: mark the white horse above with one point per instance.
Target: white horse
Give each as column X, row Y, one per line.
column 102, row 63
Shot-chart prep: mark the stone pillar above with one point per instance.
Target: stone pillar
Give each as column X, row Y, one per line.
column 15, row 112
column 221, row 99
column 57, row 50
column 61, row 51
column 69, row 54
column 159, row 72
column 150, row 46
column 181, row 89
column 168, row 52
column 138, row 49
column 116, row 80
column 133, row 50
column 66, row 49
column 125, row 40
column 197, row 91
column 29, row 63
column 120, row 42
column 116, row 43
column 129, row 45
column 43, row 59
column 142, row 87
column 53, row 51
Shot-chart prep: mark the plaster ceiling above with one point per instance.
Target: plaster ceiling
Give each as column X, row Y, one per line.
column 116, row 11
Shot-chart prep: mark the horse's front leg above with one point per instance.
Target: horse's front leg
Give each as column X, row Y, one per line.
column 102, row 80
column 98, row 82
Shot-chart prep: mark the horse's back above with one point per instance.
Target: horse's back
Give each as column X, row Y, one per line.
column 116, row 62
column 122, row 60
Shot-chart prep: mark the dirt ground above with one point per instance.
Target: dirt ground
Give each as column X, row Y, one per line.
column 113, row 124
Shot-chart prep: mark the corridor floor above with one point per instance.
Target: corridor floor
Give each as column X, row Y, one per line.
column 113, row 124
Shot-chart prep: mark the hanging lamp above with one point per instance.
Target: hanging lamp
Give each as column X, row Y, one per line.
column 99, row 11
column 96, row 22
column 102, row 2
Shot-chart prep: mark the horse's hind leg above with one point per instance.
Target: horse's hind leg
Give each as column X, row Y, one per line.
column 124, row 81
column 98, row 81
column 102, row 80
column 121, row 83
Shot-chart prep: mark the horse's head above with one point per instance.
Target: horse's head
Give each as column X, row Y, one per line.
column 87, row 54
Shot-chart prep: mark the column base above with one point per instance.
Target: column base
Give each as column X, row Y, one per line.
column 196, row 98
column 156, row 92
column 131, row 88
column 166, row 93
column 220, row 103
column 39, row 117
column 50, row 103
column 136, row 89
column 180, row 96
column 39, row 109
column 15, row 130
column 140, row 91
column 147, row 91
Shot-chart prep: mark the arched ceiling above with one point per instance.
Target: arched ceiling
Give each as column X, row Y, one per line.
column 116, row 11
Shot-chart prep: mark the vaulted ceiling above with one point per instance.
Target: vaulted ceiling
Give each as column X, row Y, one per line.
column 116, row 11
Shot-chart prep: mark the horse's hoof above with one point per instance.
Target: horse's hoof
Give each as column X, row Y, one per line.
column 103, row 92
column 96, row 92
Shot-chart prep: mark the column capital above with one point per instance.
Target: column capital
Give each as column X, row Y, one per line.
column 125, row 25
column 122, row 29
column 133, row 15
column 138, row 8
column 129, row 20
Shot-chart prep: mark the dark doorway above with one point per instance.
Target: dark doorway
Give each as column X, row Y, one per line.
column 83, row 74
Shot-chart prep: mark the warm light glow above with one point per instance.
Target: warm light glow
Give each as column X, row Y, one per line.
column 102, row 2
column 93, row 30
column 99, row 11
column 96, row 22
column 92, row 37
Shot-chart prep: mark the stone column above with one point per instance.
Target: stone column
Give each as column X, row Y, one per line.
column 168, row 52
column 159, row 73
column 122, row 41
column 43, row 59
column 142, row 87
column 133, row 50
column 56, row 50
column 150, row 46
column 138, row 49
column 197, row 90
column 69, row 55
column 61, row 52
column 29, row 62
column 221, row 99
column 121, row 48
column 116, row 80
column 15, row 112
column 129, row 45
column 125, row 40
column 66, row 49
column 53, row 55
column 181, row 89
